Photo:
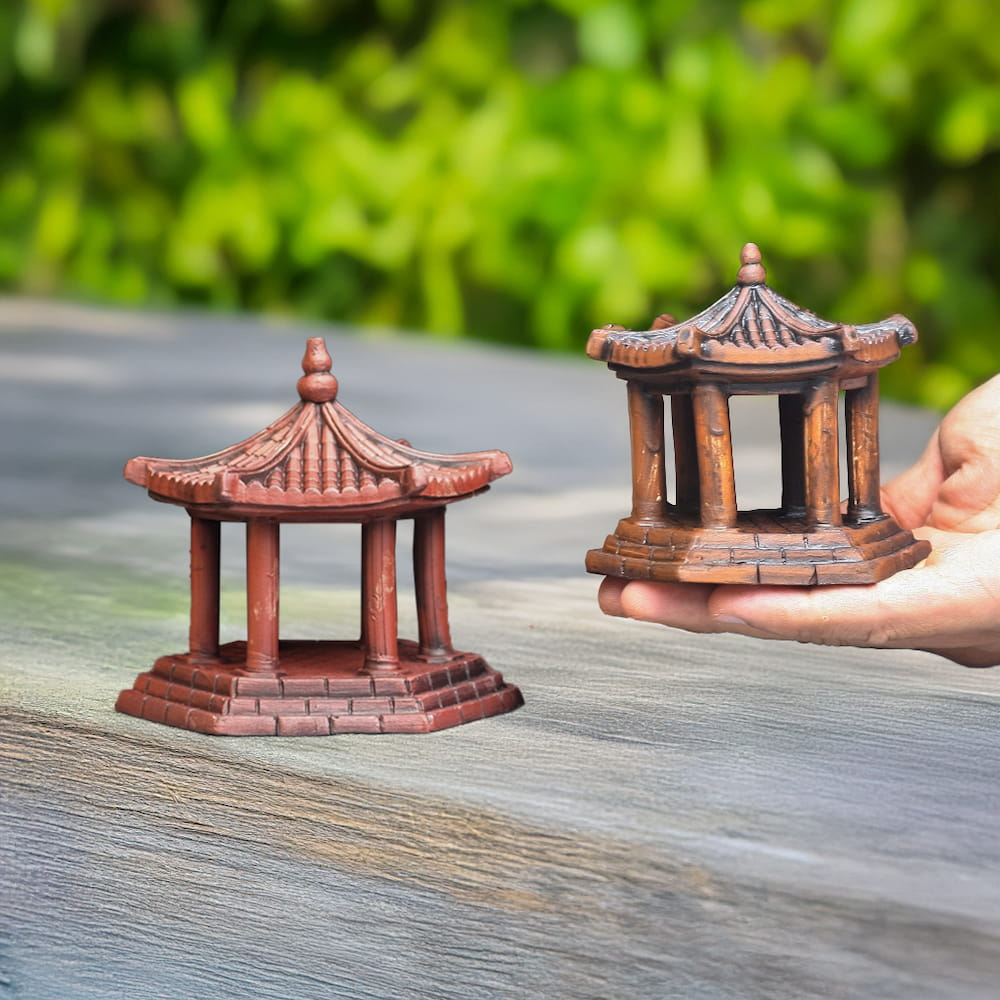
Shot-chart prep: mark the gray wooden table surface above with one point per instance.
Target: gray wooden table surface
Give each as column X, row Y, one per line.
column 668, row 816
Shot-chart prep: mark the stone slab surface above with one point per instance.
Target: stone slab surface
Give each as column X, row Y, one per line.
column 667, row 816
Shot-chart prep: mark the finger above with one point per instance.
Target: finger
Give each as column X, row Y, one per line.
column 609, row 596
column 832, row 616
column 680, row 605
column 910, row 495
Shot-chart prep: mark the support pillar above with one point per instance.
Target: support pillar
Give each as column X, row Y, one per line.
column 203, row 635
column 649, row 484
column 791, row 417
column 822, row 454
column 715, row 457
column 363, row 596
column 688, row 488
column 861, row 416
column 378, row 599
column 262, row 594
column 431, row 585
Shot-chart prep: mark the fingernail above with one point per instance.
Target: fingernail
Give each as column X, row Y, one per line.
column 730, row 620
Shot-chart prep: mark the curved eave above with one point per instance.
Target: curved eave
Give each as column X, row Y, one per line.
column 438, row 475
column 282, row 469
column 398, row 507
column 687, row 346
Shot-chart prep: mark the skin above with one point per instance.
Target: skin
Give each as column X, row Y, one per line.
column 949, row 604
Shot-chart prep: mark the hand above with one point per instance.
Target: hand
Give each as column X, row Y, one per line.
column 949, row 604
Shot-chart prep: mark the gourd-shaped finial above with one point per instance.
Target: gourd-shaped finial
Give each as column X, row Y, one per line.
column 752, row 271
column 317, row 385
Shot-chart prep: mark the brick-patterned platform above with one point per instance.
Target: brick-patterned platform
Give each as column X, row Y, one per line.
column 758, row 550
column 319, row 690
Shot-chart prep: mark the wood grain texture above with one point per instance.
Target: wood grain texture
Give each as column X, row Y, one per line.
column 668, row 816
column 649, row 490
column 713, row 441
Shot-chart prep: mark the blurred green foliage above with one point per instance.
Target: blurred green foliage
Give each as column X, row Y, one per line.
column 520, row 171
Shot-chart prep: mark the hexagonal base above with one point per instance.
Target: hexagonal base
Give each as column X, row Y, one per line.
column 320, row 689
column 764, row 548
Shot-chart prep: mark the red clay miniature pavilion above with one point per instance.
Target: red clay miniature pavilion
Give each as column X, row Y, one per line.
column 319, row 463
column 754, row 342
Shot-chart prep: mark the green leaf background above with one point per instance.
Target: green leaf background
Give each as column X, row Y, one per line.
column 509, row 170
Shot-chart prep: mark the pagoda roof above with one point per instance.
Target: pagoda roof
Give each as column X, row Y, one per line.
column 751, row 327
column 317, row 459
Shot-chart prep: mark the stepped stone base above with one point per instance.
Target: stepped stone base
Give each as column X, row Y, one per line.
column 319, row 689
column 760, row 549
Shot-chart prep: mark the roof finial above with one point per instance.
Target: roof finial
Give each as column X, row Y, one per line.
column 752, row 271
column 317, row 385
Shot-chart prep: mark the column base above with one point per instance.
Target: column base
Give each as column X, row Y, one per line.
column 764, row 547
column 319, row 689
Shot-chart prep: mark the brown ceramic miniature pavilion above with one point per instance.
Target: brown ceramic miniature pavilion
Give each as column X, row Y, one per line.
column 754, row 342
column 319, row 463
